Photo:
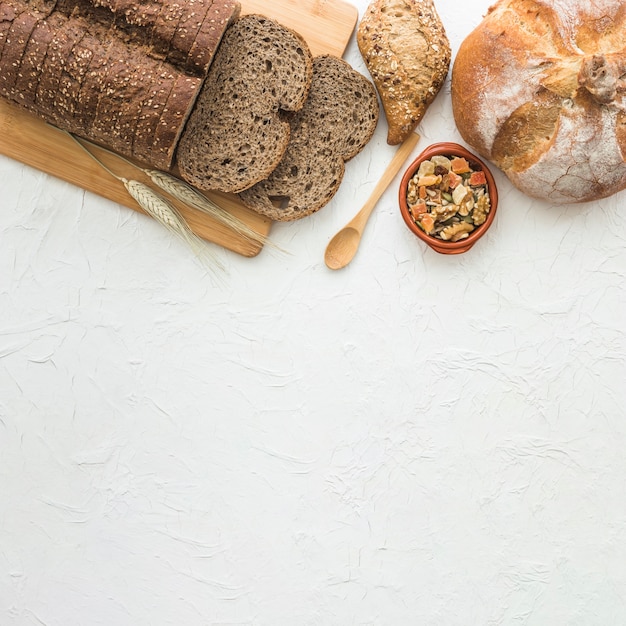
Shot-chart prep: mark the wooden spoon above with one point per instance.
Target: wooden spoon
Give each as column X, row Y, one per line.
column 343, row 246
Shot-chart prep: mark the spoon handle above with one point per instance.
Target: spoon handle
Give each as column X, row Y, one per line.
column 401, row 155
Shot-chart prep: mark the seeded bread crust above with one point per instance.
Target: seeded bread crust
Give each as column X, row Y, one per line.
column 95, row 56
column 165, row 26
column 120, row 88
column 32, row 60
column 183, row 32
column 172, row 121
column 76, row 69
column 188, row 28
column 153, row 105
column 237, row 133
column 336, row 122
column 210, row 35
column 49, row 93
column 73, row 69
column 13, row 51
column 8, row 12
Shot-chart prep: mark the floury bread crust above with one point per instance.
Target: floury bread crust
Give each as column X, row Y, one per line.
column 336, row 122
column 539, row 88
column 238, row 131
column 407, row 52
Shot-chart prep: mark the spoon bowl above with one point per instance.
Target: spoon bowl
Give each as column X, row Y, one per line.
column 344, row 245
column 341, row 247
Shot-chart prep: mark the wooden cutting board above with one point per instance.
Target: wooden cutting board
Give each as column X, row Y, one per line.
column 327, row 26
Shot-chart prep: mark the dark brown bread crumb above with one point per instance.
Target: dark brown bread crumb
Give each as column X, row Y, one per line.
column 237, row 133
column 336, row 122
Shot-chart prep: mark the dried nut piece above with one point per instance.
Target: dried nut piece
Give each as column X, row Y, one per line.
column 457, row 231
column 444, row 213
column 479, row 216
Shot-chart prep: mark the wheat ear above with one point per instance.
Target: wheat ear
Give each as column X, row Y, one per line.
column 164, row 212
column 158, row 207
column 190, row 196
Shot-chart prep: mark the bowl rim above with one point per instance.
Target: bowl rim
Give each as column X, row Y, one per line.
column 447, row 247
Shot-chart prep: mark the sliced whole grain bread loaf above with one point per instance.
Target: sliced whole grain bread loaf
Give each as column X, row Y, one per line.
column 336, row 122
column 76, row 70
column 237, row 133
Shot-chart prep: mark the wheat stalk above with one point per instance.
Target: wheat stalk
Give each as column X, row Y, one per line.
column 164, row 212
column 158, row 207
column 190, row 196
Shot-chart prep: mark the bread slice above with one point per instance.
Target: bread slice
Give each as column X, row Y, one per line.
column 336, row 122
column 237, row 133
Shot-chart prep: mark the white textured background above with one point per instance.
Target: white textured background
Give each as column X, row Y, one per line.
column 414, row 440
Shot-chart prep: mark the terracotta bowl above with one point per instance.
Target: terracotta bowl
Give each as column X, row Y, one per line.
column 439, row 245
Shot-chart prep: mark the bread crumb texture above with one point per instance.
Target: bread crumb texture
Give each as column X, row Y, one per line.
column 539, row 88
column 238, row 131
column 336, row 122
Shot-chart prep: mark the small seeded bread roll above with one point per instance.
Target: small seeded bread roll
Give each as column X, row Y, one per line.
column 406, row 50
column 336, row 122
column 237, row 133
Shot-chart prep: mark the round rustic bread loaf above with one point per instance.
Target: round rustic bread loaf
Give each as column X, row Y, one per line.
column 539, row 88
